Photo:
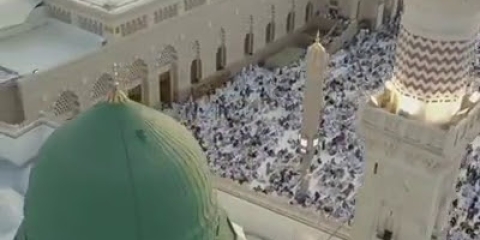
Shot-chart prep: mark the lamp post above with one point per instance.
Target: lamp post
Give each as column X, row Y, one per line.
column 317, row 62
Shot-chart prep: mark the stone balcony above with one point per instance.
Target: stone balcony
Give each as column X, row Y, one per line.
column 437, row 144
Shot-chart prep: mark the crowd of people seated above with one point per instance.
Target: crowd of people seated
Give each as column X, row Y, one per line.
column 249, row 130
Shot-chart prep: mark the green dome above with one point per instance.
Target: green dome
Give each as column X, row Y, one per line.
column 122, row 171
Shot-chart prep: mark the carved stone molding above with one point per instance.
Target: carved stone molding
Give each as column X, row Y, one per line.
column 390, row 148
column 423, row 160
column 392, row 125
column 413, row 158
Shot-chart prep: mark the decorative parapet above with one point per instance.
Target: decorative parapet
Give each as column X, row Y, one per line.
column 429, row 137
column 430, row 145
column 191, row 4
column 465, row 129
column 17, row 130
column 19, row 144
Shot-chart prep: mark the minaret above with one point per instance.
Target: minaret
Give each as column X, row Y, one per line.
column 317, row 62
column 434, row 53
column 417, row 130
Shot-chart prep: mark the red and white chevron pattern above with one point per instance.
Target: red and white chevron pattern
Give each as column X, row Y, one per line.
column 432, row 70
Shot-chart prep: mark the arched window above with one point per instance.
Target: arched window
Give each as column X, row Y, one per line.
column 248, row 44
column 308, row 12
column 221, row 57
column 290, row 21
column 270, row 32
column 196, row 71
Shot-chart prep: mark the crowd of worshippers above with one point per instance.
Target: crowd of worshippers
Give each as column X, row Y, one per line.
column 249, row 131
column 465, row 217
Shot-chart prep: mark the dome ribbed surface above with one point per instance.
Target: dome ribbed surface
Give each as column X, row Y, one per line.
column 122, row 172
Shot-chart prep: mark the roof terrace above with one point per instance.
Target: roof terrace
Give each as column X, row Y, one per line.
column 43, row 48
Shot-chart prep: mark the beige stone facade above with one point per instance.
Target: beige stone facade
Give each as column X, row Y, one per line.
column 163, row 49
column 170, row 46
column 410, row 173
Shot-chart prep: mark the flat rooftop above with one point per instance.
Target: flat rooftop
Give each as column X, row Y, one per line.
column 109, row 4
column 116, row 6
column 45, row 47
column 14, row 12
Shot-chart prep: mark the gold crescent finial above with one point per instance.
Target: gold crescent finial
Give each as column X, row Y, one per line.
column 116, row 95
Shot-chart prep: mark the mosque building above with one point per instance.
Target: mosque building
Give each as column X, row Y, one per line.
column 165, row 49
column 121, row 170
column 56, row 60
column 56, row 56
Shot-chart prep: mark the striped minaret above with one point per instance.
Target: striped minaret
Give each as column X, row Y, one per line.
column 435, row 49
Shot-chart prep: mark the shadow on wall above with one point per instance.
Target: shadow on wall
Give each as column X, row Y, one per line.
column 341, row 41
column 300, row 38
column 265, row 224
column 252, row 236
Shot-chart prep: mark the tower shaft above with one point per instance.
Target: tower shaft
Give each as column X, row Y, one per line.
column 434, row 53
column 317, row 62
column 417, row 130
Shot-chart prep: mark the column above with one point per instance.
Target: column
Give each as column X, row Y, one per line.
column 317, row 62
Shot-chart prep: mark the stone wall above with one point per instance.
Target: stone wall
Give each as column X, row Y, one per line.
column 281, row 206
column 40, row 91
column 346, row 36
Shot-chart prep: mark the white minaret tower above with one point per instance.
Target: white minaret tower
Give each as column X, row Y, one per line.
column 416, row 131
column 317, row 62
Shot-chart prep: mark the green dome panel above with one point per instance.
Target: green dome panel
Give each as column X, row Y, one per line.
column 126, row 172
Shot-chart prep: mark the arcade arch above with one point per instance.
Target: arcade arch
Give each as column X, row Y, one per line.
column 67, row 105
column 136, row 83
column 167, row 81
column 102, row 86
